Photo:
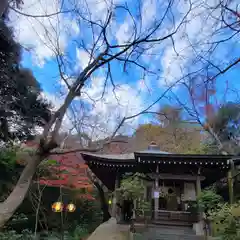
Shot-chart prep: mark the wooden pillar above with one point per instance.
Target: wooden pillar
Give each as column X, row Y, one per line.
column 201, row 224
column 198, row 192
column 198, row 183
column 156, row 198
column 230, row 186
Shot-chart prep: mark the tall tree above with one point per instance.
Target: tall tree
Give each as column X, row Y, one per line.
column 22, row 108
column 219, row 120
column 225, row 123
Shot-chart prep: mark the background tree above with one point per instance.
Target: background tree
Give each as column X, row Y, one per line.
column 220, row 121
column 22, row 109
column 170, row 115
column 171, row 134
column 225, row 122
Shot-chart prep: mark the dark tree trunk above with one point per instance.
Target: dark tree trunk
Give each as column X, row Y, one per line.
column 16, row 197
column 104, row 204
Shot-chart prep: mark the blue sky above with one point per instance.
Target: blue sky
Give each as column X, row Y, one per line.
column 135, row 89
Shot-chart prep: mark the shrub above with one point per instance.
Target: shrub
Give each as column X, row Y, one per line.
column 226, row 221
column 13, row 235
column 209, row 200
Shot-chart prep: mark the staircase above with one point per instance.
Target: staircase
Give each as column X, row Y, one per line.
column 167, row 233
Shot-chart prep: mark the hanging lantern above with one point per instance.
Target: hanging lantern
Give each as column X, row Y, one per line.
column 71, row 207
column 57, row 207
column 109, row 201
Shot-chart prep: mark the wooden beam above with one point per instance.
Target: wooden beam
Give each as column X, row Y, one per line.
column 186, row 177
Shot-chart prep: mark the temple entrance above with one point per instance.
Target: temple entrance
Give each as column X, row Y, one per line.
column 172, row 204
column 169, row 197
column 168, row 203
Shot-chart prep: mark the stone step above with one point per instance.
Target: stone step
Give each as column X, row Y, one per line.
column 167, row 232
column 172, row 237
column 171, row 230
column 171, row 223
column 167, row 237
column 157, row 235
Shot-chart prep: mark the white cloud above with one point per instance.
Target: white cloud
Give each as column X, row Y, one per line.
column 124, row 32
column 54, row 99
column 43, row 34
column 149, row 12
column 83, row 58
column 98, row 9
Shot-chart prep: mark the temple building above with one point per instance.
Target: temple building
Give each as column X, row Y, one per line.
column 175, row 180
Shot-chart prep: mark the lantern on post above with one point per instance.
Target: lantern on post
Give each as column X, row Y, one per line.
column 57, row 207
column 71, row 207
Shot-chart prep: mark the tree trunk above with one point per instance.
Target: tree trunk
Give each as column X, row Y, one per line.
column 104, row 204
column 14, row 200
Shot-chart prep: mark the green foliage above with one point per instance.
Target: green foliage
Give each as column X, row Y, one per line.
column 176, row 138
column 8, row 157
column 45, row 170
column 50, row 162
column 226, row 221
column 91, row 214
column 13, row 235
column 19, row 217
column 226, row 124
column 20, row 93
column 8, row 170
column 79, row 233
column 209, row 200
column 202, row 149
column 133, row 188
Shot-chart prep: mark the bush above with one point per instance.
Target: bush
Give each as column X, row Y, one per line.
column 79, row 233
column 226, row 221
column 13, row 235
column 209, row 200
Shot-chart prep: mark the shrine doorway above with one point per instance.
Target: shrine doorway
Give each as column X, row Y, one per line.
column 170, row 195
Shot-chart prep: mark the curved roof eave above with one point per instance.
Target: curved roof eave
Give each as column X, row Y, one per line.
column 109, row 157
column 152, row 151
column 131, row 157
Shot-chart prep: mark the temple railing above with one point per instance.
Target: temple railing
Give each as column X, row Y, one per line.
column 164, row 215
column 178, row 216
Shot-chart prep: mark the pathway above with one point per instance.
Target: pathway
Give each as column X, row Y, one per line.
column 110, row 230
